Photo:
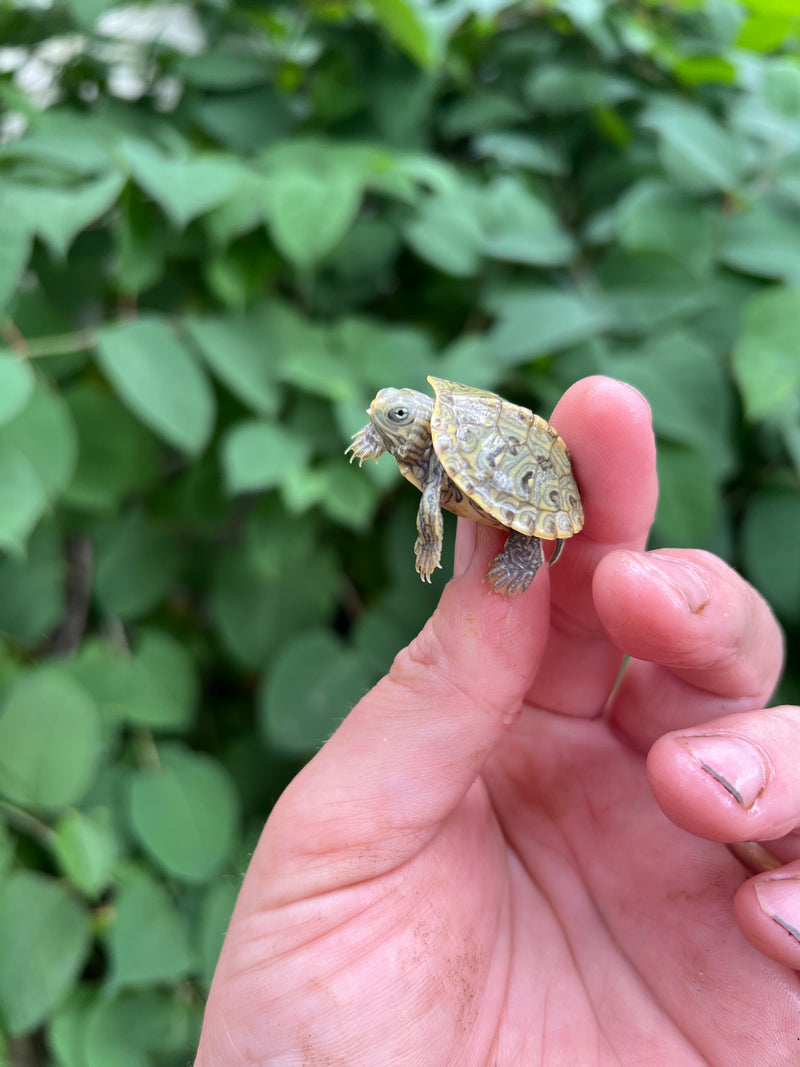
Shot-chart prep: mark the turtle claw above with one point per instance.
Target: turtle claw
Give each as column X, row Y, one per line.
column 428, row 556
column 365, row 445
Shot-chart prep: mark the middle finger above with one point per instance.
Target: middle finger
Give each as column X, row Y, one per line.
column 704, row 642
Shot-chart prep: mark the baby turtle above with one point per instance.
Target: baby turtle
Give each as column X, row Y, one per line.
column 479, row 456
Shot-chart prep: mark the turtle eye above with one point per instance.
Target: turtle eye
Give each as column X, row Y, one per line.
column 400, row 415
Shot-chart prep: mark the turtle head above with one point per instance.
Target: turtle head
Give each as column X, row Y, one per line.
column 401, row 420
column 399, row 423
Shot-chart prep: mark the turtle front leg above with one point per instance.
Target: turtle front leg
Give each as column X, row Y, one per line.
column 428, row 546
column 513, row 570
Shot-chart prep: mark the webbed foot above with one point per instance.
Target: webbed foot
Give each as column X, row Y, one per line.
column 513, row 570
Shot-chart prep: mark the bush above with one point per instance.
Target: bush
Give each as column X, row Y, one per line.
column 224, row 226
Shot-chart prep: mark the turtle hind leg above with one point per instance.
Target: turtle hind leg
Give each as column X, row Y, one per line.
column 513, row 570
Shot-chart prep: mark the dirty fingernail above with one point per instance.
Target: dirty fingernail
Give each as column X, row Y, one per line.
column 738, row 766
column 779, row 898
column 683, row 576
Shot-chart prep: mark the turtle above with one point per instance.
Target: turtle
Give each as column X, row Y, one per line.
column 475, row 454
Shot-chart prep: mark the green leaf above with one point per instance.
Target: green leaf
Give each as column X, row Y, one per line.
column 700, row 70
column 764, row 241
column 66, row 1026
column 319, row 370
column 49, row 740
column 7, row 850
column 538, row 321
column 155, row 376
column 310, row 212
column 468, row 360
column 163, row 688
column 656, row 217
column 137, row 1028
column 136, row 564
column 259, row 455
column 46, row 932
column 521, row 228
column 15, row 248
column 243, row 352
column 226, row 70
column 773, row 8
column 16, row 382
column 276, row 588
column 520, row 150
column 149, row 940
column 86, row 850
column 244, row 211
column 105, row 672
column 245, row 119
column 58, row 215
column 155, row 686
column 116, row 455
column 299, row 709
column 701, row 154
column 182, row 188
column 33, row 588
column 644, row 291
column 87, row 12
column 185, row 815
column 447, row 233
column 23, row 498
column 43, row 431
column 765, row 360
column 214, row 919
column 345, row 494
column 688, row 497
column 64, row 141
column 782, row 86
column 772, row 549
column 689, row 393
column 374, row 350
column 559, row 88
column 764, row 34
column 405, row 21
column 481, row 110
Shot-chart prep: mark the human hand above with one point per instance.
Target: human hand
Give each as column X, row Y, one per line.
column 483, row 866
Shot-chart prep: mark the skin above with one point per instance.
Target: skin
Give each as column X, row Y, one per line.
column 501, row 859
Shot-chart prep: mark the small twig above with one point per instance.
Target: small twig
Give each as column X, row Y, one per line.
column 79, row 555
column 14, row 338
column 41, row 347
column 26, row 1051
column 27, row 824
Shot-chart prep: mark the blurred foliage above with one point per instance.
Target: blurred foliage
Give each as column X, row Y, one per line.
column 223, row 226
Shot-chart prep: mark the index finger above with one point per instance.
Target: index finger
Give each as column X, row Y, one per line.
column 608, row 429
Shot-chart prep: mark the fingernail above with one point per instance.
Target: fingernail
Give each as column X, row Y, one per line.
column 683, row 576
column 738, row 766
column 779, row 898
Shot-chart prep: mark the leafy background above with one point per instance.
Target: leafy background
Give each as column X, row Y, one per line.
column 223, row 226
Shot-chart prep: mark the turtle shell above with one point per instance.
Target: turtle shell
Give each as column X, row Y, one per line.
column 508, row 461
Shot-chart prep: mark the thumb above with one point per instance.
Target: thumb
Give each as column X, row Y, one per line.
column 408, row 752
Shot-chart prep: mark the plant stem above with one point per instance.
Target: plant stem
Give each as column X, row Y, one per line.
column 27, row 824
